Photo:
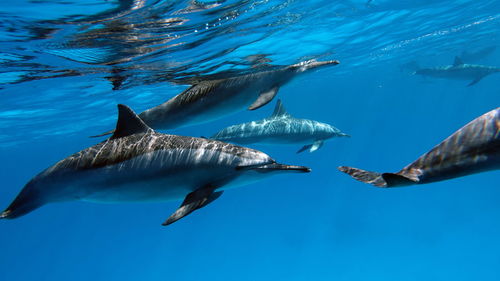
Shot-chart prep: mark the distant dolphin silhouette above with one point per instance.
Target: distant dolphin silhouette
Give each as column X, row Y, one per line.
column 472, row 149
column 459, row 71
column 280, row 128
column 139, row 164
column 212, row 99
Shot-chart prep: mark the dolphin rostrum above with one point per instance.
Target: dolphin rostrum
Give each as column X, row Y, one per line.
column 472, row 149
column 139, row 164
column 460, row 71
column 208, row 100
column 281, row 128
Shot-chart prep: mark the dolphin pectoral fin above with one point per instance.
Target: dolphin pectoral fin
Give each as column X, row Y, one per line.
column 194, row 201
column 312, row 147
column 316, row 145
column 475, row 81
column 304, row 148
column 264, row 98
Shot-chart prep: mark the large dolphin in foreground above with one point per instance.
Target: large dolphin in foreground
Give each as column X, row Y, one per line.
column 472, row 149
column 212, row 99
column 139, row 164
column 460, row 71
column 281, row 128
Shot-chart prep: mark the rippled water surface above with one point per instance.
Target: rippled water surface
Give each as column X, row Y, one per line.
column 64, row 65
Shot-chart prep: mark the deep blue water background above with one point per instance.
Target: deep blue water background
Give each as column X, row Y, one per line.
column 317, row 226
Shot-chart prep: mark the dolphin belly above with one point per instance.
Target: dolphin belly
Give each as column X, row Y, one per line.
column 162, row 176
column 177, row 113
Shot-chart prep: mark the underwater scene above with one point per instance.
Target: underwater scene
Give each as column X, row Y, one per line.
column 249, row 140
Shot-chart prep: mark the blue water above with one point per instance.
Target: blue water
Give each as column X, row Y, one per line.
column 59, row 60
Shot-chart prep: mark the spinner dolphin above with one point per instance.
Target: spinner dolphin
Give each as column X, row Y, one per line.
column 459, row 71
column 281, row 128
column 209, row 100
column 139, row 164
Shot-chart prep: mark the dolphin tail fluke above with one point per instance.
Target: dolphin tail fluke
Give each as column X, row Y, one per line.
column 103, row 134
column 194, row 201
column 377, row 179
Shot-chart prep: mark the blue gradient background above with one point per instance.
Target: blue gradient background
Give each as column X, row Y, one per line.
column 317, row 226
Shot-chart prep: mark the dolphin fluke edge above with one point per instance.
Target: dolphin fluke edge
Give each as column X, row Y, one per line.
column 377, row 179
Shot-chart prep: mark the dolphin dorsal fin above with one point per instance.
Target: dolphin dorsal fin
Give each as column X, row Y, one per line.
column 279, row 110
column 128, row 123
column 458, row 61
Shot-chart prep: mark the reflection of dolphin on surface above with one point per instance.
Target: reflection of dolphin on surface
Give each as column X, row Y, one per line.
column 280, row 128
column 139, row 164
column 212, row 99
column 460, row 71
column 472, row 149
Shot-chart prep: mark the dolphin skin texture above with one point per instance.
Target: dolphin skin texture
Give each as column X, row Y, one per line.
column 209, row 100
column 281, row 128
column 139, row 164
column 472, row 149
column 460, row 71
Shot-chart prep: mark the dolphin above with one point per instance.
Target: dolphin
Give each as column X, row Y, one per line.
column 139, row 164
column 472, row 149
column 460, row 71
column 281, row 128
column 209, row 100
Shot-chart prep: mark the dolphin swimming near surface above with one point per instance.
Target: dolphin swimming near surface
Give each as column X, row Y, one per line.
column 139, row 164
column 460, row 71
column 212, row 99
column 281, row 128
column 472, row 149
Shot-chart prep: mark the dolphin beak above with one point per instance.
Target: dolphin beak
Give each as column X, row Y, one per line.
column 283, row 167
column 328, row 62
column 311, row 64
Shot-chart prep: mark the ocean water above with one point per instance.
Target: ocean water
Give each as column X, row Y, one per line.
column 66, row 64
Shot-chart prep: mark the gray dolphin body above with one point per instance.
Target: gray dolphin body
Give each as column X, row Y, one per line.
column 212, row 99
column 459, row 71
column 280, row 128
column 472, row 149
column 139, row 164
